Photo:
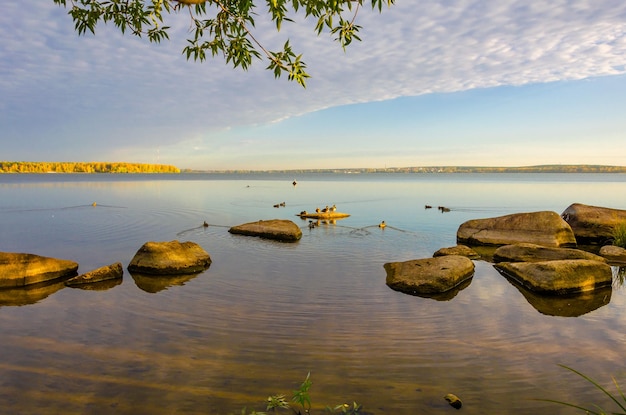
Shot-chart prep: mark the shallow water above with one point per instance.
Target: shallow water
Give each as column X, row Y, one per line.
column 266, row 313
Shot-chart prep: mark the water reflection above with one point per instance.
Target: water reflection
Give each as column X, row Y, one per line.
column 30, row 294
column 447, row 295
column 573, row 305
column 99, row 286
column 155, row 283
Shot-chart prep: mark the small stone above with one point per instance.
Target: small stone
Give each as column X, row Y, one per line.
column 453, row 400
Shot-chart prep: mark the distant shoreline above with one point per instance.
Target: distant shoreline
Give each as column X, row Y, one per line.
column 558, row 168
column 13, row 167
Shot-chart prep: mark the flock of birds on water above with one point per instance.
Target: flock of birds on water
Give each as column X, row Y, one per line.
column 333, row 208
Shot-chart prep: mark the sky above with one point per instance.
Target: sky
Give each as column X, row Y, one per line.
column 432, row 83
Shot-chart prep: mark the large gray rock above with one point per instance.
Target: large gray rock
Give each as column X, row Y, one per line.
column 559, row 277
column 535, row 253
column 109, row 272
column 277, row 229
column 18, row 269
column 613, row 254
column 593, row 225
column 429, row 275
column 170, row 258
column 542, row 228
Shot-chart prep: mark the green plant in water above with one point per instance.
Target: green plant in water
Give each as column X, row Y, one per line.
column 619, row 399
column 302, row 399
column 346, row 409
column 619, row 235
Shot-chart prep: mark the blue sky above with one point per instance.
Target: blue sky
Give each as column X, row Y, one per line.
column 450, row 82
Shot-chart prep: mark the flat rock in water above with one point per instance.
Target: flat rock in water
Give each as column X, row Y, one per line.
column 277, row 229
column 462, row 250
column 429, row 275
column 19, row 269
column 593, row 225
column 536, row 253
column 613, row 254
column 545, row 228
column 170, row 258
column 559, row 277
column 109, row 272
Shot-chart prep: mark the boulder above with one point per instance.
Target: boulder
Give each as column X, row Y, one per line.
column 277, row 229
column 109, row 272
column 429, row 275
column 18, row 269
column 170, row 258
column 559, row 277
column 593, row 225
column 613, row 254
column 535, row 253
column 462, row 250
column 542, row 228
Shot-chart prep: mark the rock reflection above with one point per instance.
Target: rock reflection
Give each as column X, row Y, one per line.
column 155, row 283
column 444, row 296
column 573, row 305
column 30, row 294
column 99, row 286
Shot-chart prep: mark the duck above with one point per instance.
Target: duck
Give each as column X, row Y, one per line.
column 333, row 208
column 428, row 207
column 294, row 183
column 382, row 225
column 311, row 224
column 283, row 204
column 206, row 225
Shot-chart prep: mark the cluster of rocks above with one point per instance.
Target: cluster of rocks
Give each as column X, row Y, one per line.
column 173, row 258
column 541, row 251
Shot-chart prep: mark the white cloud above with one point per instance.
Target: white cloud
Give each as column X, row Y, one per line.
column 118, row 89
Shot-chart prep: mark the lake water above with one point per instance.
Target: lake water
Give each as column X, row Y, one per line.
column 266, row 313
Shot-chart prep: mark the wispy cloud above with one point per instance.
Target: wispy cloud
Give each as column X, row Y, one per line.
column 112, row 90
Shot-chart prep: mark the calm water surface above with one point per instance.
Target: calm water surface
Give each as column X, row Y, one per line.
column 266, row 313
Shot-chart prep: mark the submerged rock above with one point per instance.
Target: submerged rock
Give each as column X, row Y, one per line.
column 109, row 272
column 542, row 228
column 593, row 225
column 429, row 275
column 462, row 250
column 277, row 229
column 613, row 254
column 170, row 258
column 19, row 269
column 534, row 253
column 559, row 277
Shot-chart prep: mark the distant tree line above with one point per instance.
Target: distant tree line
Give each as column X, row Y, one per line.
column 83, row 167
column 550, row 168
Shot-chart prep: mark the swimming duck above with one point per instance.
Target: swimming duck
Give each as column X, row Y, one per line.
column 206, row 225
column 382, row 225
